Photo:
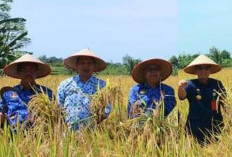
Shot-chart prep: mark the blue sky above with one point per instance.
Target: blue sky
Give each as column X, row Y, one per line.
column 112, row 29
column 140, row 28
column 203, row 24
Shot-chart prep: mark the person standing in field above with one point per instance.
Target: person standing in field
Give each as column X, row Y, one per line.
column 74, row 93
column 205, row 96
column 150, row 92
column 13, row 103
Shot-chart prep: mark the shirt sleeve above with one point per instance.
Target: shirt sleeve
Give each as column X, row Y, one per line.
column 60, row 95
column 169, row 101
column 102, row 84
column 188, row 89
column 1, row 105
column 133, row 97
column 108, row 110
column 50, row 94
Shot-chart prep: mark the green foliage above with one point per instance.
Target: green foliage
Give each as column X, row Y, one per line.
column 174, row 61
column 12, row 35
column 215, row 54
column 130, row 63
column 115, row 69
column 185, row 59
column 60, row 70
column 53, row 61
column 225, row 54
column 221, row 57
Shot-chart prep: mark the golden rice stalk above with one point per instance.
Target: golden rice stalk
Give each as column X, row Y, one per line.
column 45, row 111
column 153, row 125
column 102, row 98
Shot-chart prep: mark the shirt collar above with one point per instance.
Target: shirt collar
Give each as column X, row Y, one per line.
column 77, row 79
column 146, row 85
column 202, row 84
column 32, row 87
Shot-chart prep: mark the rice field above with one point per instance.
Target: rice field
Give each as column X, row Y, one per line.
column 116, row 136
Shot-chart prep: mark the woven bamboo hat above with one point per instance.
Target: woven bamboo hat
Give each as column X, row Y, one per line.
column 138, row 71
column 42, row 68
column 70, row 62
column 202, row 60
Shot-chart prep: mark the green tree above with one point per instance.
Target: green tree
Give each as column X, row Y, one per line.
column 174, row 61
column 12, row 35
column 130, row 63
column 215, row 54
column 185, row 59
column 225, row 54
column 53, row 61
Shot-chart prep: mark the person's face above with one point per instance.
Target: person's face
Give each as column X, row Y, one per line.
column 28, row 72
column 203, row 72
column 85, row 66
column 152, row 73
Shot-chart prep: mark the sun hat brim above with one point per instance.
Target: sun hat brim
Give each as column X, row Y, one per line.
column 202, row 60
column 138, row 73
column 42, row 68
column 70, row 62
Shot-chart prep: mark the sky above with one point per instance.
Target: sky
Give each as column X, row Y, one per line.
column 203, row 24
column 140, row 28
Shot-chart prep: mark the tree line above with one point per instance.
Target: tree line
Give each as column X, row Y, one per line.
column 221, row 57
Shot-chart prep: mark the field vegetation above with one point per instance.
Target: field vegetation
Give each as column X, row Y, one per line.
column 116, row 136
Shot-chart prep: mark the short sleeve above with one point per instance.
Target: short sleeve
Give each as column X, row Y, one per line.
column 1, row 105
column 169, row 101
column 133, row 97
column 60, row 95
column 188, row 89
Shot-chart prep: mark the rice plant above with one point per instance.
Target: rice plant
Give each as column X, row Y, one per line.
column 116, row 135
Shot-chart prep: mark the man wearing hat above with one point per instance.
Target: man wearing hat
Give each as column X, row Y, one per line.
column 73, row 93
column 205, row 96
column 150, row 92
column 13, row 103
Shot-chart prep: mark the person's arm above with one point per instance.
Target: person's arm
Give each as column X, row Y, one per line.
column 182, row 93
column 51, row 95
column 2, row 115
column 169, row 101
column 133, row 103
column 60, row 95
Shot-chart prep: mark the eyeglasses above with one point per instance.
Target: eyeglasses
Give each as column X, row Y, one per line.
column 207, row 67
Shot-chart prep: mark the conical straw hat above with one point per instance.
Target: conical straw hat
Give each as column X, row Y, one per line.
column 42, row 71
column 70, row 62
column 138, row 71
column 202, row 60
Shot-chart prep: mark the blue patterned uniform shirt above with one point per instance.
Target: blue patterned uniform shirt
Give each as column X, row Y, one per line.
column 15, row 104
column 73, row 96
column 147, row 97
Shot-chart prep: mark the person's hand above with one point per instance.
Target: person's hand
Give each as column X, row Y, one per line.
column 182, row 84
column 181, row 90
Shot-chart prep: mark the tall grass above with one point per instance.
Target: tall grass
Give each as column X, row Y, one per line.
column 115, row 136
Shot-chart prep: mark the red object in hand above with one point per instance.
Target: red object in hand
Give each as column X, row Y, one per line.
column 214, row 105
